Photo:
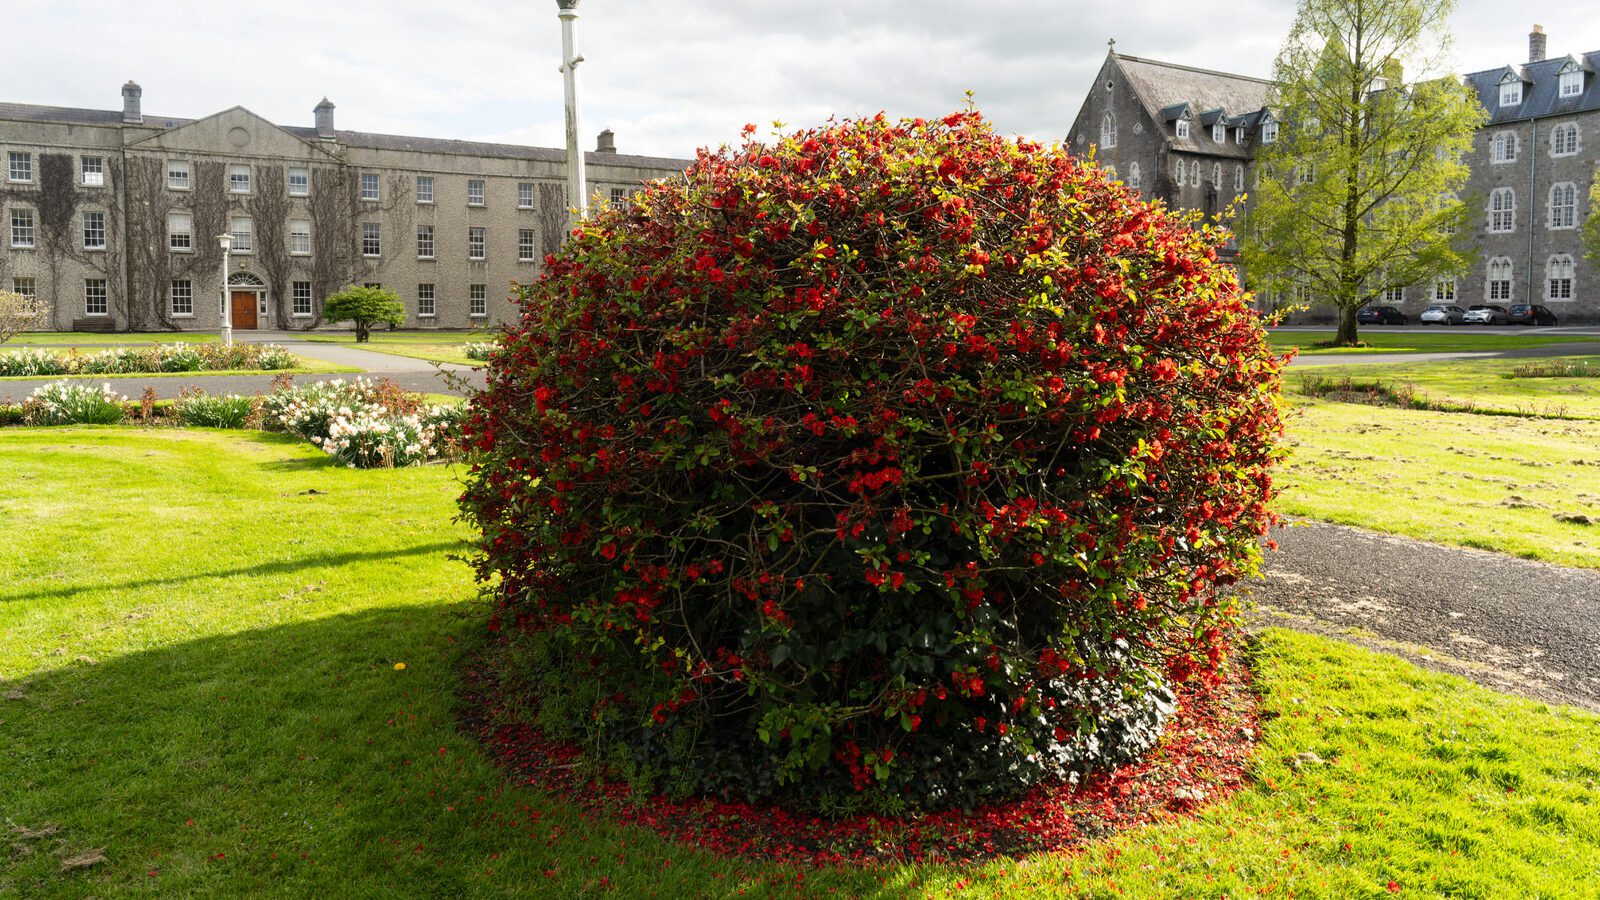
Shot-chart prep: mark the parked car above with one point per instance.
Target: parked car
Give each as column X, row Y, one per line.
column 1380, row 315
column 1486, row 314
column 1442, row 314
column 1524, row 314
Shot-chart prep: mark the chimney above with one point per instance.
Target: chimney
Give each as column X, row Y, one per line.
column 607, row 142
column 324, row 113
column 130, row 104
column 1536, row 44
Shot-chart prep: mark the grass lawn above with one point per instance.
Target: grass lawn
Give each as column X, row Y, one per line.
column 1443, row 340
column 438, row 346
column 1480, row 383
column 111, row 339
column 198, row 675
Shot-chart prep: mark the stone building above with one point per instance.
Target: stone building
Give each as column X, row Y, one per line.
column 1187, row 136
column 112, row 217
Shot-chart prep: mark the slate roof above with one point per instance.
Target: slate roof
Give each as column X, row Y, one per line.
column 1539, row 96
column 1160, row 86
column 26, row 112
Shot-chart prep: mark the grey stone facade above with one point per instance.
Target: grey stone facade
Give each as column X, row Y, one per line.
column 1528, row 251
column 112, row 217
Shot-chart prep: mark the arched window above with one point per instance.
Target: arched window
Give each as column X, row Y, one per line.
column 1499, row 280
column 1108, row 131
column 1564, row 139
column 1504, row 147
column 1111, row 172
column 1133, row 176
column 1558, row 277
column 1238, row 177
column 1177, row 171
column 1563, row 205
column 1216, row 176
column 1194, row 173
column 1502, row 210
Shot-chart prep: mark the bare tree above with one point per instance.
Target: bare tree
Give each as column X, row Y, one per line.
column 17, row 314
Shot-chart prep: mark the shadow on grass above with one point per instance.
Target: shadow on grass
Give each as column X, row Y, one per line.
column 295, row 760
column 268, row 568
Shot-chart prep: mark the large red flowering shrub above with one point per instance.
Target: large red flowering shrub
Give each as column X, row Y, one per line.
column 890, row 462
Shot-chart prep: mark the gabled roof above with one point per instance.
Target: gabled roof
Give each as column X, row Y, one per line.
column 1540, row 93
column 1174, row 112
column 265, row 137
column 66, row 115
column 1210, row 117
column 1165, row 87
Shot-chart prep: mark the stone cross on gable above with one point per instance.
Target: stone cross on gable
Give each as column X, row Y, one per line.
column 1111, row 45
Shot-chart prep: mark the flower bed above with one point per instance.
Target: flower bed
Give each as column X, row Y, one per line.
column 35, row 362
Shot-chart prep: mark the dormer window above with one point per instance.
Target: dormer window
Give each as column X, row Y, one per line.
column 1269, row 132
column 1219, row 133
column 1183, row 128
column 1511, row 93
column 1571, row 83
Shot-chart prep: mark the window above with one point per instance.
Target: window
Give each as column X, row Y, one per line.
column 94, row 231
column 1194, row 173
column 1444, row 290
column 93, row 169
column 1394, row 295
column 1499, row 281
column 1571, row 83
column 424, row 242
column 1238, row 177
column 242, row 233
column 1510, row 93
column 1216, row 176
column 1313, row 126
column 21, row 168
column 182, row 297
column 475, row 243
column 299, row 183
column 373, row 284
column 22, row 228
column 1564, row 139
column 1177, row 172
column 1111, row 173
column 1269, row 132
column 300, row 299
column 478, row 300
column 299, row 237
column 25, row 287
column 239, row 179
column 475, row 192
column 1108, row 131
column 524, row 196
column 424, row 188
column 94, row 297
column 425, row 305
column 1183, row 128
column 1502, row 210
column 1558, row 276
column 1134, row 180
column 177, row 175
column 619, row 195
column 180, row 232
column 527, row 250
column 371, row 239
column 1306, row 174
column 1504, row 147
column 1219, row 132
column 369, row 186
column 1563, row 205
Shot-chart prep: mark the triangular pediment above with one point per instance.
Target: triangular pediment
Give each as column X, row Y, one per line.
column 1512, row 73
column 232, row 132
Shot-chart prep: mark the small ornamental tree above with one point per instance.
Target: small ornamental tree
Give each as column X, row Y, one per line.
column 366, row 307
column 18, row 313
column 886, row 464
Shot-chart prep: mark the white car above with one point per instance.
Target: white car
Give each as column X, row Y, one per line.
column 1440, row 314
column 1487, row 314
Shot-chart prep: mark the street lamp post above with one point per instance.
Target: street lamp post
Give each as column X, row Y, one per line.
column 577, row 194
column 226, row 242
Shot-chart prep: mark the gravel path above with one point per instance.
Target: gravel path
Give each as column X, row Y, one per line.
column 1519, row 626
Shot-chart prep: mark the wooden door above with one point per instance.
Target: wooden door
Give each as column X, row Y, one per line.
column 244, row 309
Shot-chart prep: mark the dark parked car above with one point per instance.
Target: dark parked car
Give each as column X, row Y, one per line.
column 1486, row 314
column 1523, row 314
column 1380, row 315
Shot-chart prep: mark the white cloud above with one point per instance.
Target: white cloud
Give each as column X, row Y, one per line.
column 665, row 76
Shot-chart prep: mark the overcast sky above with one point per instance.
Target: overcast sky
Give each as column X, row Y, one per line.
column 666, row 75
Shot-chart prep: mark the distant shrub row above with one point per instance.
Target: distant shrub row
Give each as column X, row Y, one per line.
column 36, row 362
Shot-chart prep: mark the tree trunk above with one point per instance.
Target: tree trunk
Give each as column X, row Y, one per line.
column 1347, row 327
column 361, row 331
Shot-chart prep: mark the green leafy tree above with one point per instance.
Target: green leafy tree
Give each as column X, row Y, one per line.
column 366, row 307
column 1591, row 225
column 1359, row 192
